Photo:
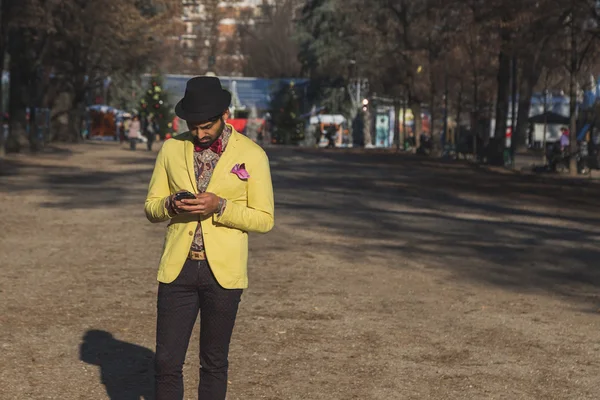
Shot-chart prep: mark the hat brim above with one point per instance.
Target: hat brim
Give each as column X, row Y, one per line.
column 217, row 107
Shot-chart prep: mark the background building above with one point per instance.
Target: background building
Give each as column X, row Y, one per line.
column 213, row 32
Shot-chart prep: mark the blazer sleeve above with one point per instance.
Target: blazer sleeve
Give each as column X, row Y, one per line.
column 258, row 214
column 158, row 192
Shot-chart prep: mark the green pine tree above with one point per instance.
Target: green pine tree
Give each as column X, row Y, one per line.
column 155, row 104
column 285, row 109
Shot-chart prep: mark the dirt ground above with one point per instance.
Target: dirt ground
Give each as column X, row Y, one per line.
column 386, row 277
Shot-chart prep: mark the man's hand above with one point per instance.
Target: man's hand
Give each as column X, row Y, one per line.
column 204, row 204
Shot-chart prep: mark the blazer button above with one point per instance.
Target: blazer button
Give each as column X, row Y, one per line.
column 191, row 233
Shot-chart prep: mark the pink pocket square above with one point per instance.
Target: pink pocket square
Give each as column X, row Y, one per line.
column 240, row 171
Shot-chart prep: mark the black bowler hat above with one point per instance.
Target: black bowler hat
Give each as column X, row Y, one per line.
column 204, row 99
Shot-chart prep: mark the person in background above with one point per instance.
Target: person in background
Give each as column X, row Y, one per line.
column 564, row 138
column 134, row 132
column 318, row 133
column 331, row 134
column 150, row 131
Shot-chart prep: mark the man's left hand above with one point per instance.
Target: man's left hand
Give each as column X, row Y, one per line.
column 204, row 204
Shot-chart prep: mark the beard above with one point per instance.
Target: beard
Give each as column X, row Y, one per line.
column 208, row 141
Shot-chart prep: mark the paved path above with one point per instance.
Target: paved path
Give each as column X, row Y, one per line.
column 387, row 277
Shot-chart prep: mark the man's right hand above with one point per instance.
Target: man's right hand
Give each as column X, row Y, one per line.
column 175, row 206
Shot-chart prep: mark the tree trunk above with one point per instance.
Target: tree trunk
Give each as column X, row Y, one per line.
column 75, row 121
column 475, row 115
column 498, row 144
column 404, row 104
column 34, row 142
column 77, row 112
column 367, row 137
column 573, row 103
column 17, row 110
column 397, row 124
column 435, row 138
column 459, row 108
column 2, row 141
column 18, row 91
column 3, row 31
column 528, row 82
column 514, row 75
column 59, row 117
column 415, row 105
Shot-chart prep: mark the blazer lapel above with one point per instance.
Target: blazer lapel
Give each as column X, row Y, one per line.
column 189, row 162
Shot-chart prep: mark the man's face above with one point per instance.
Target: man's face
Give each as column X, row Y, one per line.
column 209, row 131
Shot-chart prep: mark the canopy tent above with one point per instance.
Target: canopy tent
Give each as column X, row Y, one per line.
column 549, row 117
column 328, row 119
column 249, row 92
column 313, row 112
column 105, row 122
column 108, row 109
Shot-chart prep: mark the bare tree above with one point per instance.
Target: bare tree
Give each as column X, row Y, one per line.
column 78, row 44
column 7, row 8
column 496, row 49
column 268, row 44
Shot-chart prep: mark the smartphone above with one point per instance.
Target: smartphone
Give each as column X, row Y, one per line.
column 184, row 195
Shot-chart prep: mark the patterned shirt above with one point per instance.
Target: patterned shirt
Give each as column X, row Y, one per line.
column 204, row 165
column 565, row 140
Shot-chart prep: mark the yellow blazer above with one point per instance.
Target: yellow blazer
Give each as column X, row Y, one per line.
column 250, row 207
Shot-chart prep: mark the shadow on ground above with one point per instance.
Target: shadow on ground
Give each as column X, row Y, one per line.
column 515, row 231
column 126, row 369
column 103, row 182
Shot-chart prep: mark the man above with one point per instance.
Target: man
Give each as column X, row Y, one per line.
column 564, row 138
column 203, row 266
column 134, row 132
column 150, row 130
column 331, row 136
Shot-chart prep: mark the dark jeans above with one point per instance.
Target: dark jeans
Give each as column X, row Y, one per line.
column 195, row 289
